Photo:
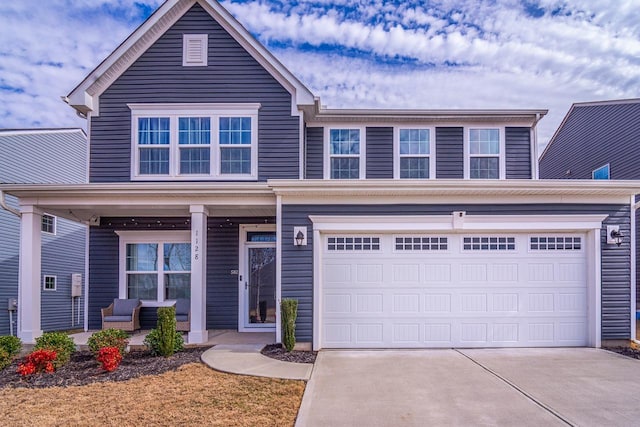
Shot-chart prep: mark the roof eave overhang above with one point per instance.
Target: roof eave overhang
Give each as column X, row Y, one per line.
column 319, row 115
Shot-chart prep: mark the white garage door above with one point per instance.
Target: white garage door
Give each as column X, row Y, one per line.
column 454, row 290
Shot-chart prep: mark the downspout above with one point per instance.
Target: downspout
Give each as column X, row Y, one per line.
column 3, row 204
column 632, row 239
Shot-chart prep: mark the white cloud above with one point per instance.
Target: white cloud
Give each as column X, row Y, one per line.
column 354, row 54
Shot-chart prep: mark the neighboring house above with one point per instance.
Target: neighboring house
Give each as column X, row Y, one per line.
column 216, row 175
column 37, row 156
column 597, row 140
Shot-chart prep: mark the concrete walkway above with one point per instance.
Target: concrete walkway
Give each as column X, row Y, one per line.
column 245, row 359
column 496, row 387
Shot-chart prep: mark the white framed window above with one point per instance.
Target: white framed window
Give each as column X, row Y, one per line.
column 49, row 224
column 344, row 153
column 601, row 173
column 194, row 50
column 353, row 243
column 414, row 153
column 49, row 283
column 488, row 243
column 194, row 141
column 155, row 267
column 421, row 243
column 484, row 153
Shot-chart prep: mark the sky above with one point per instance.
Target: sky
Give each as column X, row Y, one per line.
column 448, row 54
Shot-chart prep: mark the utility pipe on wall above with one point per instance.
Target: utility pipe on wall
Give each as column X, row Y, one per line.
column 5, row 206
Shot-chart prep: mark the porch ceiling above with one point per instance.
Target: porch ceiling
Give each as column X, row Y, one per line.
column 87, row 202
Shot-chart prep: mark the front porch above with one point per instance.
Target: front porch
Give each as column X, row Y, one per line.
column 214, row 337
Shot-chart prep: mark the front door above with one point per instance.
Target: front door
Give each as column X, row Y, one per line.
column 258, row 278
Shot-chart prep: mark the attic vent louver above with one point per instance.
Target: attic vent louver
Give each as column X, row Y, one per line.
column 194, row 50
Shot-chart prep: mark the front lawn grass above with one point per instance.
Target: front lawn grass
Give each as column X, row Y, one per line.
column 193, row 394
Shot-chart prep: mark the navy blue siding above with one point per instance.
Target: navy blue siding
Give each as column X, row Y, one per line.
column 379, row 153
column 450, row 152
column 315, row 153
column 593, row 136
column 104, row 265
column 158, row 76
column 297, row 262
column 518, row 153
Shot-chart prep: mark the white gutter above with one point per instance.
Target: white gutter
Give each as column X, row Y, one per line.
column 3, row 204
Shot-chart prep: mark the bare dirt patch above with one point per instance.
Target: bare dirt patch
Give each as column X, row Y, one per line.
column 276, row 351
column 625, row 351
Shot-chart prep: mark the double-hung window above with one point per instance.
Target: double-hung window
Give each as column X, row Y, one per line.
column 414, row 153
column 48, row 224
column 155, row 268
column 194, row 141
column 345, row 148
column 485, row 153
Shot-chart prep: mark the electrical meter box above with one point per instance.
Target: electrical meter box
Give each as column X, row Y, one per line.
column 12, row 304
column 76, row 285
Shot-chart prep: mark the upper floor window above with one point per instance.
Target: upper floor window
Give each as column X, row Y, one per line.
column 48, row 224
column 601, row 173
column 485, row 149
column 414, row 154
column 345, row 154
column 194, row 141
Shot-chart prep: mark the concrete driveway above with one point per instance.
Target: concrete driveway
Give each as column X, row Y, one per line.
column 526, row 387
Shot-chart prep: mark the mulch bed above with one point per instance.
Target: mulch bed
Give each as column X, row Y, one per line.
column 83, row 369
column 276, row 351
column 625, row 351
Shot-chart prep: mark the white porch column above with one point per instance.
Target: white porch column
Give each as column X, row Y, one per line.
column 198, row 333
column 29, row 280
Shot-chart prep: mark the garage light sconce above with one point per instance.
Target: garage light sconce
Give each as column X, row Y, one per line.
column 614, row 236
column 300, row 236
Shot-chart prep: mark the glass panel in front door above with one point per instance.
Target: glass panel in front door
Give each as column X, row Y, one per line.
column 262, row 285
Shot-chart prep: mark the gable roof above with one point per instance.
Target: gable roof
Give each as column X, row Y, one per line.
column 84, row 97
column 621, row 103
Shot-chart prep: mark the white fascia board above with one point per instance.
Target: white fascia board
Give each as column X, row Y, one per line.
column 85, row 96
column 435, row 223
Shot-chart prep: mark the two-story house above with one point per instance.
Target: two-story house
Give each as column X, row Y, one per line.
column 597, row 140
column 36, row 156
column 216, row 175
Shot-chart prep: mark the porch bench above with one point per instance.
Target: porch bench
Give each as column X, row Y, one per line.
column 122, row 314
column 183, row 315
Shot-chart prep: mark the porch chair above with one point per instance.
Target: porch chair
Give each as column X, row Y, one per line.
column 122, row 314
column 183, row 315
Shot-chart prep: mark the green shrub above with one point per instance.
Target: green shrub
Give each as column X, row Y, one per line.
column 11, row 345
column 289, row 309
column 58, row 341
column 165, row 340
column 5, row 359
column 108, row 338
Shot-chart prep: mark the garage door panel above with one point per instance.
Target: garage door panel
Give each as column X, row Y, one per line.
column 455, row 297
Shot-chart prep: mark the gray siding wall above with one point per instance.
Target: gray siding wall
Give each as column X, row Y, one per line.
column 593, row 136
column 103, row 272
column 379, row 153
column 159, row 77
column 63, row 255
column 450, row 152
column 518, row 152
column 10, row 246
column 315, row 153
column 297, row 262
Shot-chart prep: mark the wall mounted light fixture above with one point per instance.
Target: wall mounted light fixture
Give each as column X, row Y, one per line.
column 614, row 236
column 300, row 236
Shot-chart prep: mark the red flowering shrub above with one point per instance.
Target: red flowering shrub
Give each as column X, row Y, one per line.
column 38, row 361
column 110, row 358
